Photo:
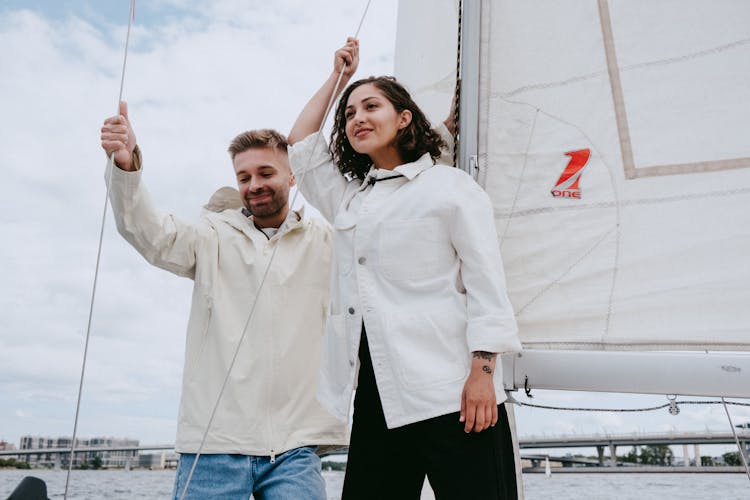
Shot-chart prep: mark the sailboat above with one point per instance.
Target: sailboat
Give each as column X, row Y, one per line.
column 611, row 138
column 615, row 157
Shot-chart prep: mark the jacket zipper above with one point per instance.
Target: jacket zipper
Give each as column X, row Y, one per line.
column 271, row 370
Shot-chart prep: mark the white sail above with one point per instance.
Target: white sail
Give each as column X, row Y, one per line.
column 612, row 139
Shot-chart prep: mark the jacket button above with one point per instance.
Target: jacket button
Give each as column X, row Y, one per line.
column 351, row 310
column 351, row 362
column 362, row 260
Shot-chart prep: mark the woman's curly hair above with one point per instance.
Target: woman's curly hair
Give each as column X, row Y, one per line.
column 412, row 141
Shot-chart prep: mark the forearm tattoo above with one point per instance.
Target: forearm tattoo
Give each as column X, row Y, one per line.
column 486, row 356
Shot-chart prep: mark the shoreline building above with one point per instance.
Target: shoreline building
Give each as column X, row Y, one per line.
column 6, row 446
column 162, row 460
column 109, row 459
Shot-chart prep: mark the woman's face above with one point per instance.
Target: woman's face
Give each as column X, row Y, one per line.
column 371, row 121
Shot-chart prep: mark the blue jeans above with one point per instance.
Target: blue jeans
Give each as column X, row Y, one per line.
column 295, row 474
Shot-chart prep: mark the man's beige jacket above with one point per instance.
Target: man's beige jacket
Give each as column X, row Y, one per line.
column 269, row 403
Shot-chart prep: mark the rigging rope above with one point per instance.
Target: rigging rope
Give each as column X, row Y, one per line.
column 457, row 91
column 742, row 452
column 268, row 268
column 110, row 165
column 626, row 410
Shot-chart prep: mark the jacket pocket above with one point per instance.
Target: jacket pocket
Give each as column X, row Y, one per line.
column 415, row 249
column 335, row 360
column 428, row 349
column 343, row 226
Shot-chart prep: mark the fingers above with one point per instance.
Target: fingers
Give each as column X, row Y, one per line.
column 484, row 416
column 124, row 109
column 487, row 416
column 352, row 45
column 471, row 415
column 462, row 417
column 110, row 145
column 116, row 120
column 115, row 134
column 114, row 138
column 479, row 417
column 115, row 129
column 347, row 53
column 355, row 54
column 347, row 56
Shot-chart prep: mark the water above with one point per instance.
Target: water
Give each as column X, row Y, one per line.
column 147, row 485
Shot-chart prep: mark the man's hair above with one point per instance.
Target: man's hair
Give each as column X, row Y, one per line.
column 261, row 138
column 412, row 141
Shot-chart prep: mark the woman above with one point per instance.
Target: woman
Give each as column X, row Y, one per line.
column 419, row 310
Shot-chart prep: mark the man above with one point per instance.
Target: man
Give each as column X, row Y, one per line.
column 262, row 438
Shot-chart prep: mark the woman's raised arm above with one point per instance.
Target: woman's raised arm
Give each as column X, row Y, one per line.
column 309, row 120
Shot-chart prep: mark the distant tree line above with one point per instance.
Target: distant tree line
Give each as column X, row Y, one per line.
column 94, row 463
column 656, row 454
column 328, row 465
column 732, row 458
column 13, row 463
column 661, row 454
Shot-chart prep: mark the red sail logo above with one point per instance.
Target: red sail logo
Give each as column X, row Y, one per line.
column 567, row 184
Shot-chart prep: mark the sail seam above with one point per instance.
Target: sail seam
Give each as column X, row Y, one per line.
column 520, row 177
column 625, row 203
column 630, row 67
column 565, row 273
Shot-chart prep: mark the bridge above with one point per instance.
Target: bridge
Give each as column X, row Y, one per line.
column 598, row 441
column 612, row 441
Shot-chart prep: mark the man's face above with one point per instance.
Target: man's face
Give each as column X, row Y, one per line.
column 264, row 179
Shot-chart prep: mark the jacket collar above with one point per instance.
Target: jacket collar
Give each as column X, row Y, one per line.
column 238, row 220
column 413, row 169
column 408, row 170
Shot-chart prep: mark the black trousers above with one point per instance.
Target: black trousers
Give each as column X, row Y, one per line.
column 391, row 464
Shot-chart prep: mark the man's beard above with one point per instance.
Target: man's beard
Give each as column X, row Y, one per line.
column 268, row 209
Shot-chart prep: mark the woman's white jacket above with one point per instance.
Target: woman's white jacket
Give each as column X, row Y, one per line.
column 417, row 262
column 269, row 404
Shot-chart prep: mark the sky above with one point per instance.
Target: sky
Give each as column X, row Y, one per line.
column 198, row 73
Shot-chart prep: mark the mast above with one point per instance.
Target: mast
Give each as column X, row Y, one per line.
column 469, row 53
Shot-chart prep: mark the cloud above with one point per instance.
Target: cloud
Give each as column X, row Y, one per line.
column 197, row 75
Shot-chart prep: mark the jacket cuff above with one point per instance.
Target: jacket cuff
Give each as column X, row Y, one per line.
column 127, row 181
column 493, row 335
column 137, row 160
column 308, row 153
